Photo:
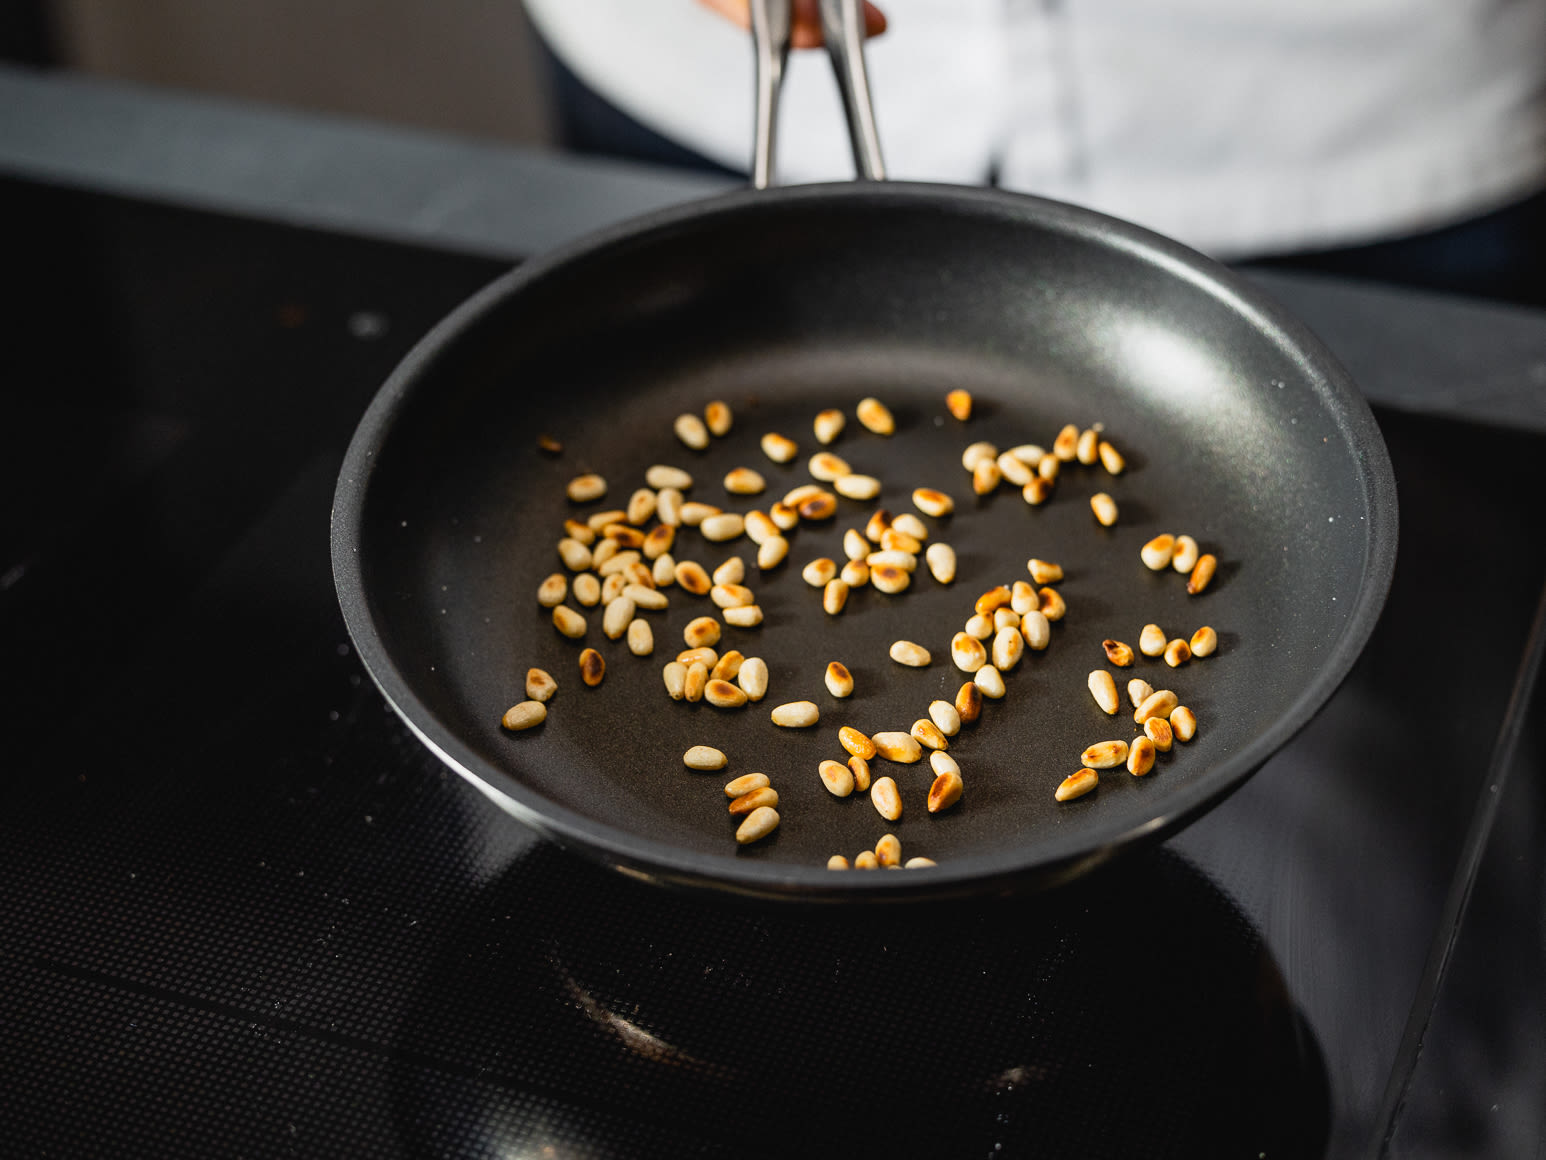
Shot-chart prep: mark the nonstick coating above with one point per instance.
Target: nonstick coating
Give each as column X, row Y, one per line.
column 1238, row 428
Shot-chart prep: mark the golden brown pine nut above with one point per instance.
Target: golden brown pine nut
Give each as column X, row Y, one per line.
column 1023, row 598
column 910, row 525
column 905, row 652
column 1047, row 470
column 837, row 777
column 1053, row 607
column 753, row 677
column 760, row 527
column 641, row 506
column 959, row 403
column 1044, row 571
column 941, row 559
column 1158, row 730
column 575, row 555
column 569, row 622
column 1111, row 459
column 1140, row 758
column 1105, row 754
column 616, row 562
column 675, row 675
column 701, row 631
column 579, row 530
column 929, row 735
column 946, row 716
column 659, row 541
column 626, row 535
column 598, row 520
column 728, row 666
column 944, row 792
column 1087, row 450
column 1104, row 689
column 969, row 702
column 691, row 577
column 1185, row 556
column 990, row 681
column 855, row 574
column 834, row 597
column 979, row 453
column 524, row 716
column 828, row 425
column 612, row 587
column 697, row 681
column 723, row 526
column 860, row 768
column 1177, row 653
column 1183, row 723
column 587, row 589
column 553, row 590
column 1008, row 648
column 866, row 861
column 1076, row 785
column 761, row 822
column 1012, row 468
column 967, row 652
column 798, row 495
column 706, row 757
column 585, row 488
column 1036, row 630
column 694, row 512
column 1066, row 445
column 855, row 546
column 707, row 655
column 920, row 863
column 617, row 616
column 819, row 572
column 772, row 552
column 1030, row 454
column 875, row 527
column 660, row 475
column 1104, row 508
column 932, row 502
column 743, row 784
column 783, row 516
column 1151, row 641
column 827, row 467
column 732, row 595
column 985, row 477
column 691, row 431
column 1157, row 704
column 731, row 571
column 540, row 685
column 668, row 507
column 1158, row 552
column 856, row 742
column 892, row 558
column 1005, row 618
column 647, row 598
column 837, row 862
column 902, row 748
column 840, row 682
column 744, row 481
column 1036, row 492
column 875, row 416
column 592, row 667
column 857, row 486
column 641, row 638
column 890, row 579
column 797, row 715
column 894, row 540
column 818, row 507
column 1117, row 653
column 888, row 851
column 718, row 418
column 722, row 694
column 980, row 626
column 748, row 616
column 993, row 598
column 1138, row 691
column 1202, row 575
column 886, row 799
column 1204, row 642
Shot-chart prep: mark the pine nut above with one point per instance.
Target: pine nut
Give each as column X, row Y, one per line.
column 1013, row 468
column 992, row 599
column 753, row 678
column 1183, row 723
column 855, row 574
column 834, row 597
column 760, row 527
column 708, row 758
column 818, row 507
column 920, row 863
column 717, row 416
column 617, row 617
column 1031, row 454
column 1047, row 470
column 1151, row 641
column 828, row 467
column 612, row 587
column 875, row 527
column 783, row 516
column 691, row 577
column 796, row 496
column 893, row 539
column 1202, row 574
column 553, row 590
column 540, row 685
column 978, row 453
column 732, row 595
column 990, row 681
column 592, row 667
column 902, row 748
column 723, row 695
column 892, row 558
column 888, row 851
column 1104, row 689
column 616, row 562
column 856, row 742
column 840, row 682
column 946, row 716
column 1157, row 730
column 905, row 652
column 761, row 822
column 639, row 575
column 910, row 525
column 855, row 546
column 1037, row 492
column 837, row 777
column 829, row 425
column 1087, row 450
column 890, row 579
column 886, row 799
column 986, row 477
column 856, row 486
column 721, row 527
column 860, row 768
column 701, row 631
column 929, row 735
column 1008, row 648
column 524, row 716
column 1076, row 785
column 1157, row 704
column 1005, row 618
column 641, row 638
column 585, row 488
column 660, row 476
column 944, row 792
column 641, row 506
column 837, row 862
column 587, row 589
column 731, row 571
column 941, row 559
column 980, row 626
column 866, row 861
column 1158, row 552
column 959, row 403
column 1111, row 459
column 744, row 481
column 797, row 715
column 727, row 666
column 650, row 599
column 626, row 535
column 969, row 702
column 1105, row 509
column 1177, row 653
column 694, row 512
column 569, row 622
column 819, row 572
column 772, row 552
column 1186, row 553
column 748, row 616
column 1023, row 598
column 1117, row 653
column 598, row 520
column 691, row 431
column 1053, row 606
column 1204, row 642
column 875, row 416
column 668, row 507
column 743, row 784
column 697, row 681
column 579, row 530
column 1066, row 445
column 1044, row 571
column 575, row 555
column 675, row 674
column 1105, row 754
column 967, row 652
column 1140, row 758
column 932, row 502
column 659, row 541
column 1138, row 691
column 1036, row 629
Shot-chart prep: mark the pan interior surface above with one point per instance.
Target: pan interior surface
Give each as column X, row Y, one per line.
column 1236, row 431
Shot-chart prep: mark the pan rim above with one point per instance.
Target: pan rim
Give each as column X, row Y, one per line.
column 1052, row 861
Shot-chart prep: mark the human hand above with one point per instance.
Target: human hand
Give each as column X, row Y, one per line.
column 805, row 20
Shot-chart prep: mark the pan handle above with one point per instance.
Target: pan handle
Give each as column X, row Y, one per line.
column 842, row 24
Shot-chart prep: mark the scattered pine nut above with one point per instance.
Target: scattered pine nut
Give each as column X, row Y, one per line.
column 1105, row 509
column 969, row 702
column 626, row 535
column 718, row 418
column 797, row 715
column 650, row 599
column 855, row 546
column 1036, row 629
column 728, row 666
column 990, row 681
column 980, row 626
column 731, row 571
column 1048, row 469
column 1087, row 450
column 919, row 863
column 819, row 572
column 1183, row 723
column 886, row 799
column 992, row 599
column 1111, row 459
column 569, row 622
column 675, row 674
column 1138, row 691
column 660, row 475
column 783, row 516
column 549, row 445
column 723, row 526
column 875, row 416
column 959, row 403
column 856, row 486
column 875, row 527
column 978, row 453
column 1053, row 607
column 1023, row 598
column 741, row 785
column 946, row 716
column 691, row 577
column 587, row 589
column 1204, row 642
column 659, row 541
column 744, row 481
column 747, row 616
column 932, row 502
column 694, row 512
column 986, row 477
column 579, row 530
column 837, row 777
column 1008, row 648
column 944, row 792
column 753, row 678
column 553, row 590
column 866, row 861
column 615, row 562
column 829, row 425
column 760, row 527
column 1157, row 704
column 905, row 652
column 1037, row 492
column 941, row 559
column 929, row 735
column 722, row 694
column 890, row 579
column 732, row 595
column 691, row 431
column 1104, row 689
column 857, row 743
column 834, row 596
column 888, row 851
column 772, row 552
column 1202, row 574
column 828, row 467
column 1105, row 754
column 697, row 681
column 1185, row 557
column 708, row 656
column 1044, row 571
column 641, row 506
column 891, row 557
column 855, row 574
column 1177, row 653
column 818, row 507
column 1117, row 653
column 840, row 682
column 1076, row 785
column 707, row 757
column 592, row 667
column 575, row 555
column 701, row 631
column 967, row 652
column 612, row 587
column 1158, row 552
column 902, row 748
column 1066, row 445
column 540, row 685
column 1140, row 757
column 617, row 617
column 668, row 507
column 1016, row 470
column 1157, row 730
column 585, row 488
column 893, row 539
column 1151, row 641
column 860, row 768
column 837, row 862
column 524, row 716
column 761, row 822
column 641, row 638
column 798, row 495
column 909, row 525
column 1005, row 618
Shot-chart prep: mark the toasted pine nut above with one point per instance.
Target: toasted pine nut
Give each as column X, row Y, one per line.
column 668, row 507
column 1023, row 598
column 1076, row 785
column 1105, row 509
column 753, row 678
column 585, row 488
column 1005, row 618
column 875, row 416
column 1177, row 653
column 837, row 777
column 1105, row 754
column 892, row 558
column 840, row 682
column 579, row 530
column 592, row 667
column 909, row 525
column 886, row 799
column 1157, row 704
column 1036, row 630
column 797, row 714
column 1186, row 553
column 1030, row 454
column 697, row 681
column 718, row 418
column 1158, row 730
column 827, row 467
column 860, row 768
column 1183, row 723
column 743, row 784
column 893, row 539
column 986, row 477
column 569, row 622
column 553, row 590
column 857, row 486
column 728, row 666
column 598, row 520
column 611, row 588
column 575, row 555
column 540, row 685
column 875, row 527
column 1138, row 691
column 616, row 562
column 978, row 453
column 691, row 577
column 732, row 595
column 819, row 572
column 837, row 862
column 946, row 716
column 855, row 574
column 969, row 702
column 1117, row 653
column 818, row 507
column 990, row 681
column 721, row 527
column 761, row 822
column 675, row 675
column 701, row 632
column 798, row 495
column 695, row 512
column 992, row 599
column 855, row 546
column 1066, row 445
column 1044, row 571
column 1047, row 470
column 1140, row 758
column 1111, row 459
column 1204, row 642
column 524, row 716
column 626, row 535
column 707, row 757
column 760, row 527
column 855, row 742
column 747, row 616
column 1202, row 575
column 691, row 431
column 919, row 863
column 834, row 597
column 1104, row 689
column 902, row 748
column 660, row 476
column 641, row 506
column 1087, row 450
column 587, row 589
column 980, row 626
column 723, row 695
column 772, row 552
column 659, row 541
column 617, row 617
column 1158, row 552
column 945, row 791
column 890, row 579
column 967, row 652
column 648, row 598
column 888, row 851
column 866, row 861
column 932, row 502
column 1016, row 470
column 1151, row 641
column 959, row 403
column 905, row 652
column 744, row 481
column 929, row 735
column 1053, row 607
column 1008, row 648
column 829, row 425
column 1036, row 492
column 731, row 571
column 941, row 559
column 783, row 516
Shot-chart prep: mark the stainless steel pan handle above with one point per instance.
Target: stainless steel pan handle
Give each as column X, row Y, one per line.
column 842, row 24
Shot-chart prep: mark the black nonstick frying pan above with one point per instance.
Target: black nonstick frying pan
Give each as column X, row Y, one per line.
column 1237, row 425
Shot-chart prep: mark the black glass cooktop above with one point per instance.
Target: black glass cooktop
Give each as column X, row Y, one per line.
column 244, row 913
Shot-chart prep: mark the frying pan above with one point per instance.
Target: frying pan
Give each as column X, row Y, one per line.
column 1238, row 427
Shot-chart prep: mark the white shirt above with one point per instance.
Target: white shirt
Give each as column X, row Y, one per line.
column 1238, row 126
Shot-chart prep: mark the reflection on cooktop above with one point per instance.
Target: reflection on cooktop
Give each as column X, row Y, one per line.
column 1139, row 1006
